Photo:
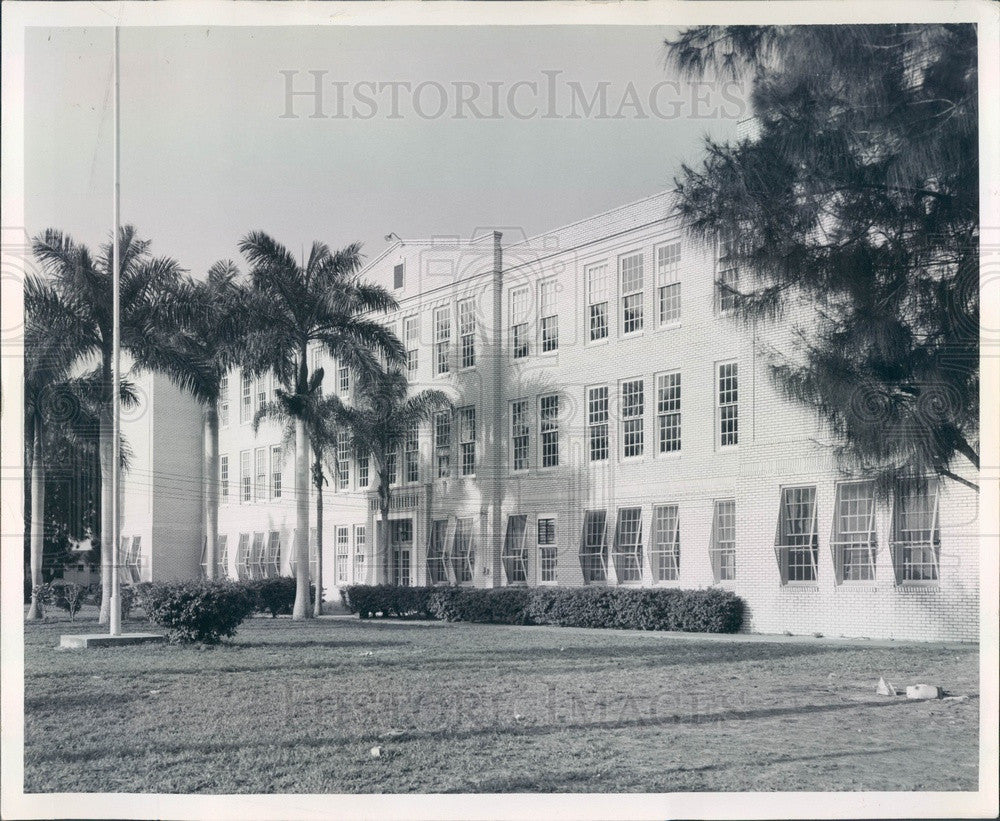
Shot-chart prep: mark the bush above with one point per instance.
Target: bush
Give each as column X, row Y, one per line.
column 199, row 611
column 370, row 600
column 505, row 605
column 127, row 596
column 66, row 595
column 276, row 595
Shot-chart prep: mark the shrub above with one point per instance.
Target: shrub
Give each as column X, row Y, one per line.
column 276, row 595
column 199, row 611
column 68, row 596
column 505, row 605
column 370, row 600
column 127, row 596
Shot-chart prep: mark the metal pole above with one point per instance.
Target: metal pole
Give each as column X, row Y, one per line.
column 116, row 613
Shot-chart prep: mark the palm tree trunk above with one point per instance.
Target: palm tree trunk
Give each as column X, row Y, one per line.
column 37, row 518
column 107, row 528
column 301, row 609
column 384, row 547
column 211, row 479
column 318, row 468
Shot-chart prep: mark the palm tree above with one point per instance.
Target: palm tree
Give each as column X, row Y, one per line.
column 206, row 323
column 74, row 300
column 319, row 301
column 383, row 415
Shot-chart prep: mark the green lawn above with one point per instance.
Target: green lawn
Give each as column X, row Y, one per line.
column 297, row 707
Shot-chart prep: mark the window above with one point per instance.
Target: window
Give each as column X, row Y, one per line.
column 411, row 455
column 314, row 367
column 464, row 555
column 666, row 551
column 632, row 408
column 548, row 320
column 261, row 385
column 520, row 434
column 627, row 554
column 916, row 536
column 343, row 553
column 515, row 555
column 597, row 423
column 797, row 543
column 467, row 332
column 437, row 557
column 725, row 298
column 467, row 440
column 257, row 556
column 668, row 290
column 597, row 301
column 246, row 398
column 224, row 400
column 519, row 323
column 271, row 566
column 243, row 558
column 363, row 478
column 360, row 544
column 391, row 464
column 631, row 279
column 397, row 276
column 442, row 443
column 668, row 412
column 594, row 547
column 853, row 540
column 223, row 556
column 547, row 549
column 133, row 561
column 411, row 337
column 313, row 555
column 260, row 474
column 343, row 380
column 246, row 481
column 548, row 428
column 728, row 415
column 343, row 460
column 723, row 547
column 275, row 472
column 442, row 340
column 224, row 478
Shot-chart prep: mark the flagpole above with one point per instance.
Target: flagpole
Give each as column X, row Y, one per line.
column 116, row 613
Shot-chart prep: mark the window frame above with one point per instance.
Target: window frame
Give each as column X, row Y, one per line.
column 514, row 551
column 627, row 414
column 721, row 407
column 520, row 436
column 600, row 410
column 549, row 427
column 463, row 556
column 789, row 544
column 276, row 472
column 434, row 560
column 587, row 554
column 668, row 571
column 723, row 572
column 629, row 558
column 669, row 398
column 548, row 316
column 843, row 539
column 465, row 310
column 442, row 340
column 928, row 489
column 467, row 441
column 599, row 300
column 443, row 443
column 639, row 292
column 547, row 552
column 668, row 277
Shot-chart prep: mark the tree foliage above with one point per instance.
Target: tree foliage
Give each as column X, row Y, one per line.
column 857, row 196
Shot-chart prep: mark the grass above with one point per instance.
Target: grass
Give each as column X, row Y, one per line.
column 297, row 707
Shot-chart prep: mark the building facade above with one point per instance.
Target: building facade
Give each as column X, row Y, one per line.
column 614, row 424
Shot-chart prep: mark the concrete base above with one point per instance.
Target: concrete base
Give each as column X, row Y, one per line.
column 83, row 641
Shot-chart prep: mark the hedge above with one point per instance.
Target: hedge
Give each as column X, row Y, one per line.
column 199, row 611
column 705, row 611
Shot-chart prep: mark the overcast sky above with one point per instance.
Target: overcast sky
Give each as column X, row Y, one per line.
column 207, row 154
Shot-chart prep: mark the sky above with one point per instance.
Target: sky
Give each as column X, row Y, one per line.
column 422, row 131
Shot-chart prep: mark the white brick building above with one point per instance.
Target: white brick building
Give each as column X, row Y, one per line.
column 614, row 424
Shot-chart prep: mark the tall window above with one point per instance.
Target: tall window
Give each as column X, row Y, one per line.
column 223, row 556
column 728, row 404
column 260, row 474
column 594, row 546
column 632, row 408
column 597, row 301
column 442, row 340
column 224, row 401
column 363, row 477
column 467, row 440
column 627, row 554
column 520, row 434
column 437, row 558
column 442, row 443
column 313, row 366
column 343, row 460
column 360, row 543
column 224, row 478
column 397, row 275
column 258, row 557
column 411, row 455
column 725, row 298
column 246, row 398
column 668, row 412
column 631, row 279
column 261, row 392
column 597, row 423
column 519, row 323
column 854, row 532
column 391, row 466
column 275, row 472
column 463, row 557
column 548, row 319
column 666, row 551
column 916, row 535
column 343, row 553
column 467, row 332
column 668, row 290
column 723, row 548
column 515, row 554
column 411, row 336
column 271, row 565
column 343, row 380
column 548, row 429
column 246, row 480
column 797, row 544
column 547, row 549
column 133, row 560
column 243, row 557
